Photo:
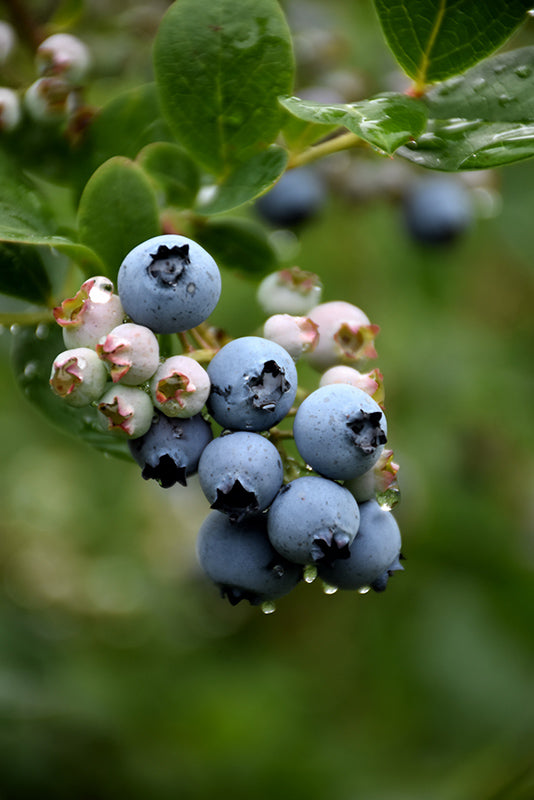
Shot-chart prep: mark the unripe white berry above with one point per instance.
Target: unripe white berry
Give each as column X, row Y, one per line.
column 78, row 376
column 131, row 352
column 63, row 55
column 180, row 387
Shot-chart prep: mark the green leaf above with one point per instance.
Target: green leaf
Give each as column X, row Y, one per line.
column 67, row 13
column 25, row 219
column 220, row 67
column 173, row 171
column 23, row 275
column 482, row 119
column 434, row 39
column 33, row 351
column 127, row 123
column 237, row 243
column 118, row 210
column 385, row 122
column 299, row 134
column 246, row 181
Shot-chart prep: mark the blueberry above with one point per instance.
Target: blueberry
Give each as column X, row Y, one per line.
column 240, row 473
column 438, row 211
column 78, row 376
column 240, row 560
column 340, row 431
column 253, row 384
column 170, row 450
column 169, row 283
column 313, row 520
column 374, row 554
column 297, row 197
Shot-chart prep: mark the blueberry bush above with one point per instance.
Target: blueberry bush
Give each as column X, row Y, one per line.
column 212, row 215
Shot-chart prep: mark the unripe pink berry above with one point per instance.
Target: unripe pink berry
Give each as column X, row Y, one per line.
column 289, row 291
column 381, row 477
column 92, row 313
column 371, row 382
column 346, row 335
column 131, row 352
column 10, row 109
column 126, row 411
column 63, row 55
column 78, row 376
column 297, row 335
column 180, row 387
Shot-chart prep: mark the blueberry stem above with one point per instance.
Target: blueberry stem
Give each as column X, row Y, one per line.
column 187, row 346
column 333, row 145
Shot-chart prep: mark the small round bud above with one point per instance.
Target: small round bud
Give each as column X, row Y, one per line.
column 289, row 291
column 65, row 56
column 346, row 335
column 297, row 335
column 10, row 109
column 131, row 352
column 126, row 411
column 180, row 387
column 78, row 376
column 46, row 100
column 91, row 314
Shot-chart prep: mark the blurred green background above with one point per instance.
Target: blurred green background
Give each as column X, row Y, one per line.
column 122, row 673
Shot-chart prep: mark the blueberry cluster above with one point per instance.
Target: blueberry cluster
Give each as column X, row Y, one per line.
column 300, row 483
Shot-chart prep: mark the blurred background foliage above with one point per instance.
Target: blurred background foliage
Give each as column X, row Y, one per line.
column 122, row 673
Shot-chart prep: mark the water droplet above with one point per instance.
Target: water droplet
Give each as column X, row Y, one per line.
column 309, row 573
column 268, row 607
column 364, row 589
column 530, row 12
column 499, row 68
column 101, row 290
column 523, row 71
column 504, row 99
column 14, row 329
column 30, row 370
column 42, row 331
column 478, row 84
column 328, row 589
column 391, row 497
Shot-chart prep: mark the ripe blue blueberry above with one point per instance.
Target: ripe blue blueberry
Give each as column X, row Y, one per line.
column 297, row 197
column 169, row 284
column 340, row 431
column 374, row 554
column 438, row 210
column 170, row 450
column 240, row 560
column 253, row 384
column 240, row 473
column 313, row 520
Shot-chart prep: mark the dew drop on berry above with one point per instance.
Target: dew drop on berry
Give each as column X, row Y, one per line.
column 329, row 589
column 364, row 589
column 309, row 573
column 268, row 607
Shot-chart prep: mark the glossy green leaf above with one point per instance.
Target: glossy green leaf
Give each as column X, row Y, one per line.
column 117, row 211
column 299, row 134
column 33, row 351
column 385, row 122
column 220, row 67
column 434, row 39
column 173, row 171
column 23, row 275
column 237, row 243
column 246, row 181
column 482, row 119
column 127, row 123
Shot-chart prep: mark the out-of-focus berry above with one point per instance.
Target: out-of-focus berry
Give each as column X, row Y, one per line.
column 289, row 291
column 63, row 55
column 346, row 335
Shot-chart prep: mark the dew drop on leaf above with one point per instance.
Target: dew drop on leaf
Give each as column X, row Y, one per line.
column 523, row 71
column 42, row 331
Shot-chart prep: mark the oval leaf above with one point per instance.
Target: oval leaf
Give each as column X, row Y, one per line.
column 434, row 39
column 220, row 67
column 386, row 122
column 33, row 351
column 482, row 119
column 238, row 244
column 173, row 171
column 247, row 181
column 117, row 211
